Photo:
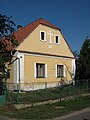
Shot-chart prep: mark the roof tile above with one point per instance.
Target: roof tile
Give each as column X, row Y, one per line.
column 24, row 32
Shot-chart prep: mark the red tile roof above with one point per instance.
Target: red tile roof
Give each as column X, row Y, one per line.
column 25, row 31
column 21, row 34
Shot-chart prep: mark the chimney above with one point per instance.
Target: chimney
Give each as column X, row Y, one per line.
column 19, row 27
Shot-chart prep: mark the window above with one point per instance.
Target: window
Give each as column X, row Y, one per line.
column 60, row 71
column 57, row 40
column 40, row 70
column 42, row 36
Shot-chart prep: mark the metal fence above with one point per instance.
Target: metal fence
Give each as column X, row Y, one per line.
column 85, row 83
column 43, row 91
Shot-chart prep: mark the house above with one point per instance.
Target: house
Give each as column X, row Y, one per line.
column 43, row 57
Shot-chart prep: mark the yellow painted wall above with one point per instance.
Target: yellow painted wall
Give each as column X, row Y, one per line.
column 51, row 68
column 32, row 43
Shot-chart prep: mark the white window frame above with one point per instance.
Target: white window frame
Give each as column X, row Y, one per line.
column 55, row 39
column 35, row 75
column 44, row 36
column 64, row 74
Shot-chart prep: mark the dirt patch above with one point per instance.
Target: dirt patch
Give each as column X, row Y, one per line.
column 7, row 118
column 59, row 107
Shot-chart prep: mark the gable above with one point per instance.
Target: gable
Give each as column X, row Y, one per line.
column 30, row 39
column 24, row 32
column 33, row 42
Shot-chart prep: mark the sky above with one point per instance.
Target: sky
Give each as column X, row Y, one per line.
column 71, row 16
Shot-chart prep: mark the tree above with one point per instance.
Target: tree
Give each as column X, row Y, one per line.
column 6, row 26
column 7, row 29
column 83, row 61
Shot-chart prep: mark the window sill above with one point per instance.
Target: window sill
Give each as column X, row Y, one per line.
column 43, row 40
column 57, row 43
column 40, row 77
column 61, row 77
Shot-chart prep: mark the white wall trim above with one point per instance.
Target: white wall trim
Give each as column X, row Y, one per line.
column 50, row 36
column 73, row 68
column 29, row 54
column 64, row 71
column 16, row 68
column 56, row 70
column 21, row 57
column 35, row 70
column 46, row 70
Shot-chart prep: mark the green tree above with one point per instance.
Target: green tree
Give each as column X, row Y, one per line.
column 83, row 61
column 7, row 28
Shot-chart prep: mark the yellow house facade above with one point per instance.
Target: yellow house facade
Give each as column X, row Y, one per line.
column 43, row 57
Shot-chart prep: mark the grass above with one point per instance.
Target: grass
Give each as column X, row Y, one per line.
column 46, row 111
column 46, row 94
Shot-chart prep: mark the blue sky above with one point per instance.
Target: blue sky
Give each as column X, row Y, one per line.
column 72, row 16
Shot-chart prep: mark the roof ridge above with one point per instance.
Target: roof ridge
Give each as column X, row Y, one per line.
column 50, row 24
column 41, row 21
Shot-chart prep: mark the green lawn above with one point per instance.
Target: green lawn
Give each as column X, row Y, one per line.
column 46, row 111
column 46, row 94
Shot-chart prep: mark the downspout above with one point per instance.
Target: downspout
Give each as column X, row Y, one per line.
column 17, row 58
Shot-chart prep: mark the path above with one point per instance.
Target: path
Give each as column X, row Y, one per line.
column 78, row 115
